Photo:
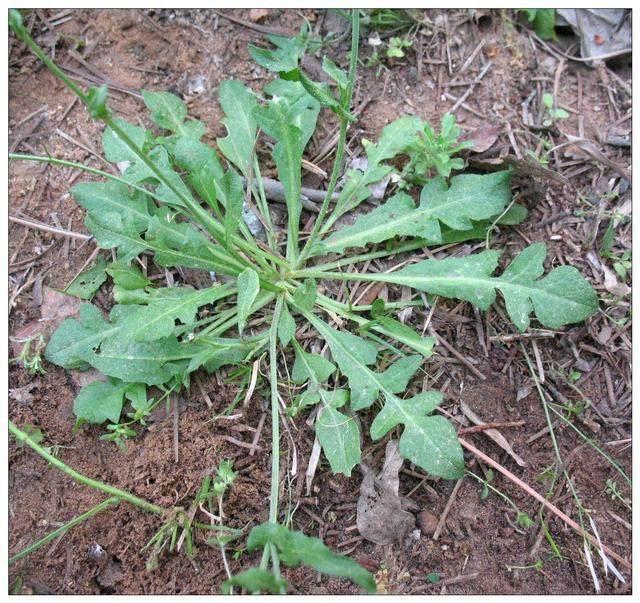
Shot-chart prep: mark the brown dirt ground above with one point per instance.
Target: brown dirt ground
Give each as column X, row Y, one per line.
column 160, row 50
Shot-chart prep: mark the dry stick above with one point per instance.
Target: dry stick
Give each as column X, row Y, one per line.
column 32, row 114
column 259, row 28
column 471, row 88
column 529, row 490
column 51, row 229
column 485, row 426
column 447, row 508
column 457, row 354
column 176, row 429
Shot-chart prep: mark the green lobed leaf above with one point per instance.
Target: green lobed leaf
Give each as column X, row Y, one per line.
column 74, row 340
column 430, row 442
column 425, row 440
column 202, row 165
column 115, row 150
column 469, row 197
column 286, row 54
column 353, row 354
column 562, row 297
column 213, row 353
column 231, row 194
column 100, row 401
column 335, row 73
column 339, row 435
column 303, row 108
column 164, row 306
column 127, row 276
column 404, row 334
column 115, row 215
column 105, row 345
column 169, row 112
column 238, row 102
column 248, row 289
column 180, row 244
column 88, row 282
column 255, row 580
column 304, row 296
column 295, row 548
column 392, row 141
column 286, row 326
column 308, row 366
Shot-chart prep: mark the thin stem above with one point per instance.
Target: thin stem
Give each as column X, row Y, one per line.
column 275, row 412
column 371, row 255
column 344, row 126
column 262, row 202
column 21, row 436
column 270, row 551
column 32, row 548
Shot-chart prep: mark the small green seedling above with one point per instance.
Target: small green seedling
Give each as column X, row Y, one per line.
column 30, row 356
column 397, row 47
column 552, row 112
column 181, row 202
column 429, row 151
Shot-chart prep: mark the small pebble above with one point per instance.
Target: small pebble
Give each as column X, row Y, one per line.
column 427, row 522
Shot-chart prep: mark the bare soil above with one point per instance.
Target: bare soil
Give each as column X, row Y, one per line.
column 481, row 549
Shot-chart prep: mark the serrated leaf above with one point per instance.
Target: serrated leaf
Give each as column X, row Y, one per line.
column 304, row 296
column 115, row 216
column 393, row 140
column 238, row 103
column 152, row 362
column 436, row 451
column 126, row 276
column 136, row 393
column 308, row 366
column 180, row 244
column 93, row 341
column 202, row 165
column 562, row 297
column 516, row 214
column 335, row 73
column 255, row 580
column 75, row 339
column 339, row 437
column 164, row 306
column 469, row 197
column 88, row 282
column 231, row 195
column 295, row 548
column 169, row 112
column 213, row 353
column 286, row 327
column 303, row 108
column 115, row 150
column 353, row 354
column 429, row 442
column 286, row 54
column 248, row 289
column 100, row 401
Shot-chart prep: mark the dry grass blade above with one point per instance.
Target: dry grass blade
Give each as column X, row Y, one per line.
column 494, row 434
column 551, row 507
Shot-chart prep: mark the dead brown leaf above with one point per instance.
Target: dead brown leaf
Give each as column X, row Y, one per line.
column 381, row 517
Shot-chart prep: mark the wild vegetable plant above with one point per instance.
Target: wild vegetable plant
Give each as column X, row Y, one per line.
column 183, row 204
